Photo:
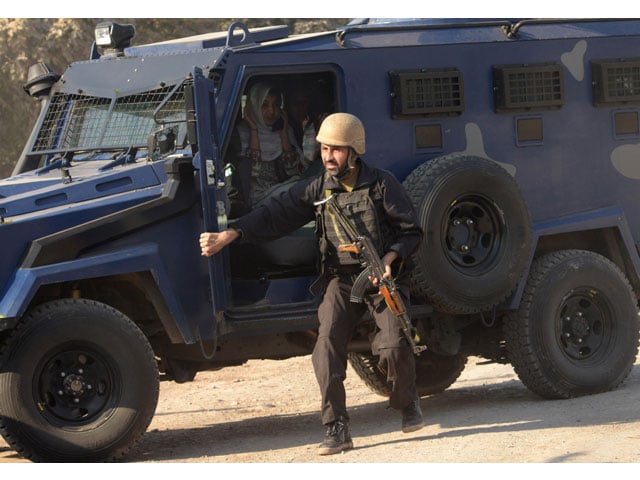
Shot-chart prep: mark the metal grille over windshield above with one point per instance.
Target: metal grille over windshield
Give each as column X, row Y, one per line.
column 82, row 122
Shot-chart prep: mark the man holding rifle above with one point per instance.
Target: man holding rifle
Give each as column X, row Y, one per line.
column 379, row 211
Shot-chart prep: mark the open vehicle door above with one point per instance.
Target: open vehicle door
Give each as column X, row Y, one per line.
column 207, row 161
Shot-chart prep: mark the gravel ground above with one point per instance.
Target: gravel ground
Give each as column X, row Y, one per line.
column 265, row 414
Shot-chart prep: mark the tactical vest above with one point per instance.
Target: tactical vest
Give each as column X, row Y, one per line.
column 364, row 207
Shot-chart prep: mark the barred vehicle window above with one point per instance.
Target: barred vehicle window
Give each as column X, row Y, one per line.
column 75, row 121
column 426, row 92
column 528, row 87
column 616, row 82
column 71, row 119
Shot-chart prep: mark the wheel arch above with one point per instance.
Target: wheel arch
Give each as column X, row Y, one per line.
column 603, row 231
column 139, row 270
column 136, row 294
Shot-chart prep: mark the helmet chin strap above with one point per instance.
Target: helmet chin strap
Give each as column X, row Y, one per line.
column 351, row 163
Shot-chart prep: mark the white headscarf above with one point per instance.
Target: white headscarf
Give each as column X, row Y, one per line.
column 270, row 141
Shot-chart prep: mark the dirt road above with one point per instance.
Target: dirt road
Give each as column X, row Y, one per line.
column 267, row 412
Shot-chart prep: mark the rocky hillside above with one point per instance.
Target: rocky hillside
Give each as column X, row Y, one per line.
column 59, row 42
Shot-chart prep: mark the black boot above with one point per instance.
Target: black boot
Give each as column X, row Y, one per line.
column 337, row 438
column 412, row 417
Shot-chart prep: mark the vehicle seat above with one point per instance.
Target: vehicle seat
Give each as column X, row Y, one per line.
column 299, row 248
column 288, row 256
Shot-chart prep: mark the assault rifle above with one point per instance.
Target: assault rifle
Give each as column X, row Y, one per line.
column 373, row 267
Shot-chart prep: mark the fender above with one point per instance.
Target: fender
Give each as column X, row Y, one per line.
column 57, row 257
column 604, row 218
column 177, row 196
column 146, row 257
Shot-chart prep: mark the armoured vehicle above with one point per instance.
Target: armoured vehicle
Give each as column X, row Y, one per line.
column 518, row 141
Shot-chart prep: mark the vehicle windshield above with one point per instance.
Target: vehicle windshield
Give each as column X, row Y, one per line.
column 77, row 122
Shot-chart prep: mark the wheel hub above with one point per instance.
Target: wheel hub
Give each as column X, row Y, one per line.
column 74, row 386
column 582, row 327
column 578, row 326
column 462, row 234
column 471, row 233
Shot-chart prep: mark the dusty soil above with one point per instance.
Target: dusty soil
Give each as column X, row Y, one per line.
column 267, row 412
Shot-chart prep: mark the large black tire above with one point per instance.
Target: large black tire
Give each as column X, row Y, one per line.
column 434, row 373
column 78, row 383
column 477, row 230
column 576, row 332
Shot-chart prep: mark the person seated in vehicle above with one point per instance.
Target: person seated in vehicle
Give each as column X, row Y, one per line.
column 268, row 153
column 302, row 104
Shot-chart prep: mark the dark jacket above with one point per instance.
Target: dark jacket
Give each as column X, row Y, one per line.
column 291, row 209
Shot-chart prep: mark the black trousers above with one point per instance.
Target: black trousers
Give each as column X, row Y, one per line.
column 338, row 318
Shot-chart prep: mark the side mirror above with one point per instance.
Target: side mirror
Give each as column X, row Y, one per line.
column 162, row 142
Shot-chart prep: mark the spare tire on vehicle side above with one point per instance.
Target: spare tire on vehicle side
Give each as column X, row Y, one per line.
column 477, row 233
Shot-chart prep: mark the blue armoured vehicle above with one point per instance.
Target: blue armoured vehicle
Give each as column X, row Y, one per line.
column 519, row 142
